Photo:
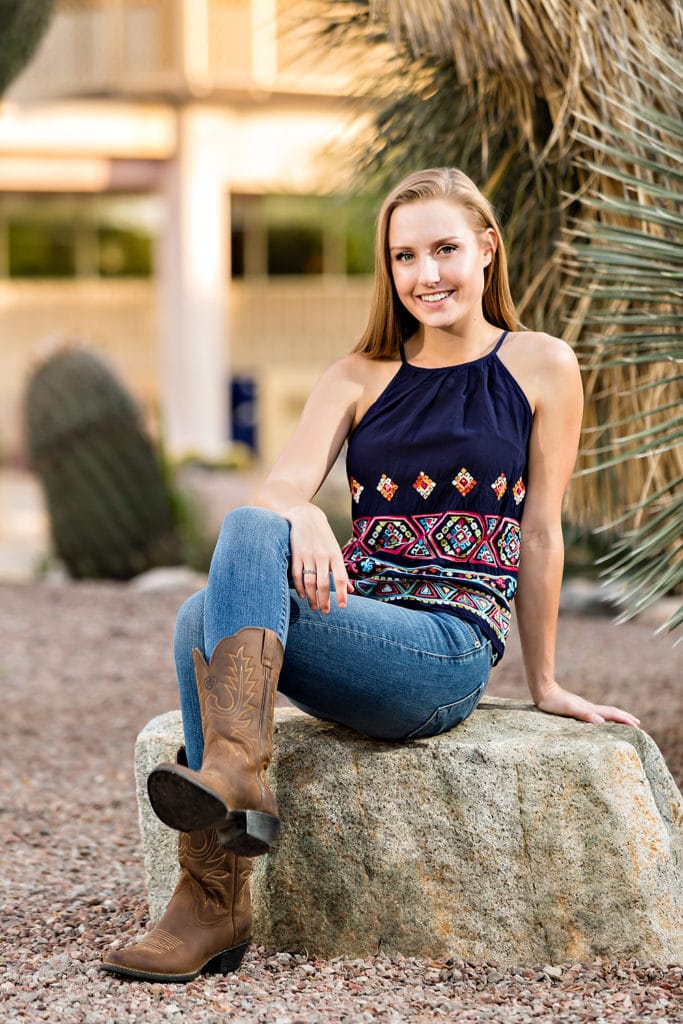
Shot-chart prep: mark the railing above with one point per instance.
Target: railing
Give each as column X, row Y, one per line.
column 284, row 330
column 155, row 48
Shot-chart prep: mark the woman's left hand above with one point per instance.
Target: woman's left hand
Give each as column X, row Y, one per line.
column 556, row 701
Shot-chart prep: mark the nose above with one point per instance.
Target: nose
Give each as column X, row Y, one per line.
column 429, row 270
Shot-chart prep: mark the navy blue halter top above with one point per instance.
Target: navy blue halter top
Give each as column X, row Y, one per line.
column 437, row 472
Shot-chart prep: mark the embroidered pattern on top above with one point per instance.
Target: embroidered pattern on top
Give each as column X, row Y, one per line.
column 454, row 537
column 500, row 486
column 424, row 485
column 518, row 491
column 464, row 481
column 452, row 593
column 356, row 489
column 386, row 487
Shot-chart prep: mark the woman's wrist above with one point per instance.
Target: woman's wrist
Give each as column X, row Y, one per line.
column 542, row 688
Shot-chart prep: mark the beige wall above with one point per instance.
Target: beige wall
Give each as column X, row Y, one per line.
column 284, row 333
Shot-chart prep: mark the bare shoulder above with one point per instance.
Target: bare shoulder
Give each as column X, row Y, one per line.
column 541, row 364
column 343, row 379
column 361, row 378
column 541, row 347
column 358, row 367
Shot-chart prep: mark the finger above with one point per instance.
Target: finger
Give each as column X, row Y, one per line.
column 341, row 581
column 298, row 579
column 341, row 589
column 309, row 576
column 617, row 715
column 588, row 714
column 324, row 589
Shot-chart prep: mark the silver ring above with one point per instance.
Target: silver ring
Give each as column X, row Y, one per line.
column 310, row 572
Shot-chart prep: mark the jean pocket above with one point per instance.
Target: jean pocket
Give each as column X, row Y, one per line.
column 471, row 632
column 449, row 715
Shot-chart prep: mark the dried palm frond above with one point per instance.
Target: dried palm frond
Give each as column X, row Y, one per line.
column 498, row 88
column 627, row 254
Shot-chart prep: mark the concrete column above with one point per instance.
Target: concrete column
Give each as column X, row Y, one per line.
column 193, row 283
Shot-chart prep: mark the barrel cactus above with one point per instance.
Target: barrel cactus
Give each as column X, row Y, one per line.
column 110, row 513
column 22, row 24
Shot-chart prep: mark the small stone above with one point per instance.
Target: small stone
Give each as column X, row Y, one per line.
column 552, row 971
column 493, row 977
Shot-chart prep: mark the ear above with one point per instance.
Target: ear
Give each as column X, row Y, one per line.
column 489, row 244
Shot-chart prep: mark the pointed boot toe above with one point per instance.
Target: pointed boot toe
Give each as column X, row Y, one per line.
column 206, row 928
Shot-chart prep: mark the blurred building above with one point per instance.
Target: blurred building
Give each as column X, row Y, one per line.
column 170, row 193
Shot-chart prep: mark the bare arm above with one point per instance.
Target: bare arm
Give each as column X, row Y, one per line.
column 552, row 453
column 296, row 477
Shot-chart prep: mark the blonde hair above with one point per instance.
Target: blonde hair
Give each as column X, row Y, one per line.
column 389, row 322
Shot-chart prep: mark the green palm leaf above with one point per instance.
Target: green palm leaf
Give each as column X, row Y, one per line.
column 570, row 115
column 628, row 252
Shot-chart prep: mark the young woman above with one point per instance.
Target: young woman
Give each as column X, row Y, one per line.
column 462, row 434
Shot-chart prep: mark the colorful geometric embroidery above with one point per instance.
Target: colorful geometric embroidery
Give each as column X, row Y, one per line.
column 459, row 535
column 427, row 523
column 508, row 544
column 424, row 485
column 500, row 486
column 420, row 550
column 356, row 489
column 464, row 482
column 456, row 560
column 389, row 534
column 482, row 606
column 518, row 491
column 386, row 487
column 484, row 554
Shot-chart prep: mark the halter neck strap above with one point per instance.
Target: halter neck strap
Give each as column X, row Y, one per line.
column 500, row 342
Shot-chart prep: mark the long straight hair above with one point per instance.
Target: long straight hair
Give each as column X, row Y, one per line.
column 389, row 322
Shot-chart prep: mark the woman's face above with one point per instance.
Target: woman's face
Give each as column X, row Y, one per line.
column 437, row 262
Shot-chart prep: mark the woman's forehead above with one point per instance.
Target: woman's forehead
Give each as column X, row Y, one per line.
column 424, row 218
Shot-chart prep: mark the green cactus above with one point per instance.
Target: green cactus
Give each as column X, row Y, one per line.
column 109, row 509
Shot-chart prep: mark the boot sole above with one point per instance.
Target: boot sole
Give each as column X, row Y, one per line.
column 181, row 803
column 188, row 806
column 225, row 962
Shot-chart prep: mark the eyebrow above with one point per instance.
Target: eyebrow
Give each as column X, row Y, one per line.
column 439, row 241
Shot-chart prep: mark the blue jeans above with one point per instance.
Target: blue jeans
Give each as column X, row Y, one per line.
column 390, row 672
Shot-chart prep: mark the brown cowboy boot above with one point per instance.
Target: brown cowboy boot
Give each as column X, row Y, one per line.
column 230, row 793
column 207, row 925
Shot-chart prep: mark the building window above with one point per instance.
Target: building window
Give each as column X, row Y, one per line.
column 296, row 249
column 123, row 252
column 67, row 236
column 279, row 235
column 40, row 249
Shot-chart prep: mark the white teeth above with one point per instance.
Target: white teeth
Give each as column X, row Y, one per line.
column 434, row 297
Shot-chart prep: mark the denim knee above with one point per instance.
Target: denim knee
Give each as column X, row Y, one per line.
column 262, row 524
column 189, row 626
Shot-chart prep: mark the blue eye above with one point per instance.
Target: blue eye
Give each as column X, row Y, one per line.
column 448, row 249
column 403, row 257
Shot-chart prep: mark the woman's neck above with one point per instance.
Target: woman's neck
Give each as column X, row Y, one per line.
column 432, row 347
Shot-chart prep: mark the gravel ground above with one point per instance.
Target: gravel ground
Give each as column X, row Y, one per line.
column 83, row 668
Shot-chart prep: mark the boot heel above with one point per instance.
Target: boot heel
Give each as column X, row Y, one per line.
column 227, row 961
column 248, row 833
column 181, row 801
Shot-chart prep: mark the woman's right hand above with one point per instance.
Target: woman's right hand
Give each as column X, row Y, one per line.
column 315, row 555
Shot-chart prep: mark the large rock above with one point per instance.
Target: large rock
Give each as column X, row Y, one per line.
column 517, row 837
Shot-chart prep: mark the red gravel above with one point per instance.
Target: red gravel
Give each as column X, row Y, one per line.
column 83, row 668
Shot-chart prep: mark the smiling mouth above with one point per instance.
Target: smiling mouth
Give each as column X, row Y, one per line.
column 434, row 296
